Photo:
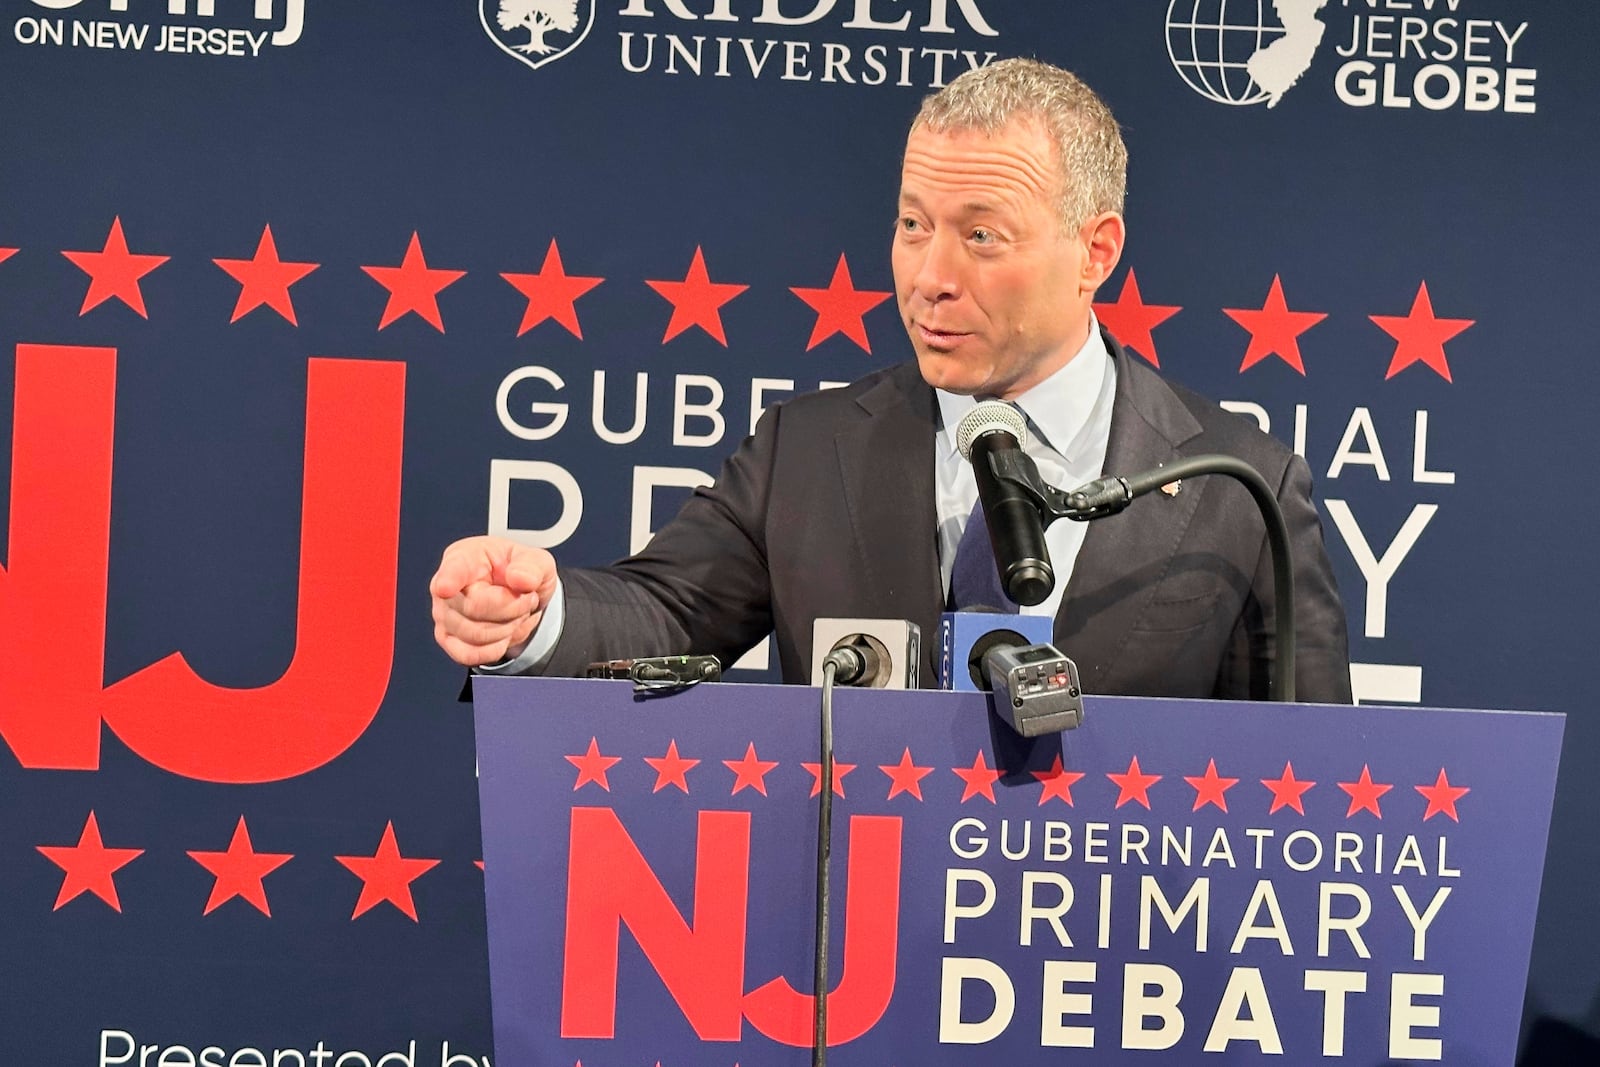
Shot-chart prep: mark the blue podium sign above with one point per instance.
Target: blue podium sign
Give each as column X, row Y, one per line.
column 1264, row 881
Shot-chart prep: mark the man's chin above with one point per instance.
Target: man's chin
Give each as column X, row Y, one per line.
column 944, row 372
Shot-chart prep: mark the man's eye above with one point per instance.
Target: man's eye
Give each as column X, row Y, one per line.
column 982, row 236
column 909, row 224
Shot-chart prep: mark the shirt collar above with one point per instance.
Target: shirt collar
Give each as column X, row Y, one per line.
column 1059, row 407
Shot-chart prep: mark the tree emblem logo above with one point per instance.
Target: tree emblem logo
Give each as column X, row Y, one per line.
column 566, row 21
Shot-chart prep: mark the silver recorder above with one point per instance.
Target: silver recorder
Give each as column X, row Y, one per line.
column 1035, row 689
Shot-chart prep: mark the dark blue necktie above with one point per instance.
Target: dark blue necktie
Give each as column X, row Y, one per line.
column 974, row 578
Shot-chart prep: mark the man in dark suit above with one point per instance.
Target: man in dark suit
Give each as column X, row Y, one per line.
column 851, row 502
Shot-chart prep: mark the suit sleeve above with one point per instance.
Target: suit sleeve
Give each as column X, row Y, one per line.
column 700, row 586
column 1322, row 656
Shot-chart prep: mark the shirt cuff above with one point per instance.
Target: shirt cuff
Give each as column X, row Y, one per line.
column 535, row 655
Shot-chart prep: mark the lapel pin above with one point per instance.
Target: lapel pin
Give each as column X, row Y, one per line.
column 1173, row 488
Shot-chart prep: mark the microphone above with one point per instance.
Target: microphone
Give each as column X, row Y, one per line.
column 1033, row 687
column 994, row 428
column 854, row 664
column 870, row 653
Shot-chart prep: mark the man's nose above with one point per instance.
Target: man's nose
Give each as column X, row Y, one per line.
column 938, row 275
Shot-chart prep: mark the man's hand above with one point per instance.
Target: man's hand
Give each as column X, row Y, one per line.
column 489, row 594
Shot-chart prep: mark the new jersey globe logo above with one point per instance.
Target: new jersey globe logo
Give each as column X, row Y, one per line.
column 1234, row 52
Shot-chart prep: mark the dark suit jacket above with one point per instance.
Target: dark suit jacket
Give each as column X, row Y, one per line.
column 827, row 510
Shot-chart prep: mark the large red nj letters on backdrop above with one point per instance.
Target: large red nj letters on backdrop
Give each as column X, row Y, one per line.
column 52, row 630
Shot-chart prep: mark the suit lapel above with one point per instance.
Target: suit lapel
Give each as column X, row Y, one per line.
column 886, row 468
column 1124, row 557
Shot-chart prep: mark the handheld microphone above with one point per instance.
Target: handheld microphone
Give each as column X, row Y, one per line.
column 1016, row 533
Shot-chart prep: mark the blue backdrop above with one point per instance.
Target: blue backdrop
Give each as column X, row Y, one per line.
column 1374, row 240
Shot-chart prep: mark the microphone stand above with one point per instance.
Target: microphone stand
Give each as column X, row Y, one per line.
column 1109, row 495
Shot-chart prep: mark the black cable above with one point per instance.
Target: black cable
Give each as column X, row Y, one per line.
column 1109, row 495
column 819, row 1030
column 846, row 664
column 652, row 679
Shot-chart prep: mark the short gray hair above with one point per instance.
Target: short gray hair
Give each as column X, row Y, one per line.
column 1093, row 160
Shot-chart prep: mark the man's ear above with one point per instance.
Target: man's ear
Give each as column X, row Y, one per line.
column 1103, row 237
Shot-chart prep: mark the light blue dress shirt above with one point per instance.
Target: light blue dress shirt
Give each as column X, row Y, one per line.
column 1069, row 425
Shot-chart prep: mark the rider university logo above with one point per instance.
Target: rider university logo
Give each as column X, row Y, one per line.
column 1233, row 52
column 505, row 21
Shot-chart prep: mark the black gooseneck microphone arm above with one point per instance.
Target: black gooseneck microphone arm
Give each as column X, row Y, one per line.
column 1109, row 495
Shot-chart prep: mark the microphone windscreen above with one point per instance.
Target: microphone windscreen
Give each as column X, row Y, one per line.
column 988, row 416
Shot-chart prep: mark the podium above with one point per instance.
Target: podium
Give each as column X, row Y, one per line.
column 1175, row 880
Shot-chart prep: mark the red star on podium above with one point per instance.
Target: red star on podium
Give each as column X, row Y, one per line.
column 750, row 771
column 1058, row 782
column 1131, row 320
column 671, row 769
column 839, row 771
column 592, row 767
column 386, row 875
column 1210, row 788
column 1274, row 329
column 1421, row 335
column 115, row 272
column 552, row 293
column 980, row 778
column 413, row 286
column 1288, row 791
column 1364, row 793
column 840, row 308
column 239, row 871
column 1442, row 797
column 89, row 866
column 265, row 279
column 905, row 776
column 1133, row 784
column 696, row 300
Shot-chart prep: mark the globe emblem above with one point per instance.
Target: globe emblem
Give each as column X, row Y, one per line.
column 1211, row 43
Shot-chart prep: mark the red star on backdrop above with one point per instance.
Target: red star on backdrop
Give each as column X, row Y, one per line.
column 414, row 286
column 905, row 776
column 1058, row 782
column 1442, row 797
column 1421, row 335
column 592, row 767
column 839, row 771
column 552, row 293
column 7, row 253
column 671, row 769
column 1364, row 793
column 1133, row 784
column 840, row 308
column 115, row 272
column 696, row 300
column 386, row 875
column 1274, row 329
column 980, row 778
column 1210, row 788
column 750, row 771
column 239, row 871
column 265, row 279
column 89, row 866
column 1131, row 320
column 1287, row 791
